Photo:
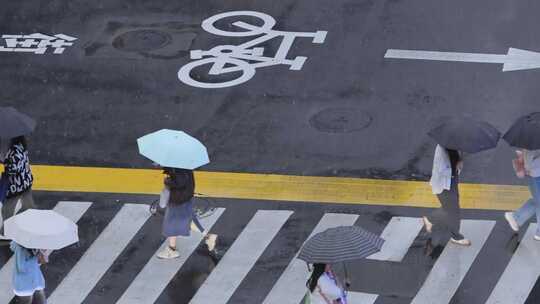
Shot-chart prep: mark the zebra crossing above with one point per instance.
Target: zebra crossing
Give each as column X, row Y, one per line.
column 255, row 238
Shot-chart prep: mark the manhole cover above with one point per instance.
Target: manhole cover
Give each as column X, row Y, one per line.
column 142, row 40
column 340, row 120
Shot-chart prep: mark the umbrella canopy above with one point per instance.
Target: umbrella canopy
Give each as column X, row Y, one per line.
column 525, row 132
column 465, row 134
column 340, row 244
column 174, row 149
column 14, row 123
column 41, row 229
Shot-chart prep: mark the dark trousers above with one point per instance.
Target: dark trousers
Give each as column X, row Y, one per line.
column 15, row 205
column 37, row 298
column 447, row 219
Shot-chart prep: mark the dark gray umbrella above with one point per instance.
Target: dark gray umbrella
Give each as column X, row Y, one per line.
column 14, row 123
column 525, row 132
column 465, row 134
column 340, row 244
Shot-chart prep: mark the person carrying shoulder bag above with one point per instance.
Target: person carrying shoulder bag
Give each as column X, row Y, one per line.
column 178, row 192
column 527, row 165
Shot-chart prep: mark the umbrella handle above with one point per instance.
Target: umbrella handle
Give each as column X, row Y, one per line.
column 347, row 283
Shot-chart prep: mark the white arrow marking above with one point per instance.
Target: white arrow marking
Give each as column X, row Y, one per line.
column 514, row 60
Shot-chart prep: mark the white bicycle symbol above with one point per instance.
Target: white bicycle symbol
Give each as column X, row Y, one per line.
column 244, row 58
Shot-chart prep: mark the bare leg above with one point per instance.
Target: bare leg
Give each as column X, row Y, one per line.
column 172, row 242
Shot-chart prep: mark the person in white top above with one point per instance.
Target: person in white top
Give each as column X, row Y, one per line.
column 527, row 164
column 444, row 223
column 324, row 287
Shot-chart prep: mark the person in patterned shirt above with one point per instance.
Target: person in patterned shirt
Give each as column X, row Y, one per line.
column 17, row 168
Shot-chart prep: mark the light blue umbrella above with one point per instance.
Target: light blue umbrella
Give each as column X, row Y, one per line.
column 174, row 149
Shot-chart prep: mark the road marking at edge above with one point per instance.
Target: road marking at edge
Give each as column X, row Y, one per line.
column 514, row 60
column 277, row 187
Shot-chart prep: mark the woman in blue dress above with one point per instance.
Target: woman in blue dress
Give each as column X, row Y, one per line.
column 28, row 280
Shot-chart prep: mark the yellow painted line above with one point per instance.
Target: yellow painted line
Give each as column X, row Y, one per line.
column 277, row 187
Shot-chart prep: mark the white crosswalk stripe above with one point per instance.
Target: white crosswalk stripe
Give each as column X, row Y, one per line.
column 73, row 211
column 444, row 279
column 239, row 259
column 453, row 264
column 399, row 235
column 101, row 254
column 521, row 274
column 361, row 298
column 290, row 288
column 157, row 273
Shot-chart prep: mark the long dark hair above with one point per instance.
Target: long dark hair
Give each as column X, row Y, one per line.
column 19, row 140
column 455, row 158
column 181, row 184
column 318, row 270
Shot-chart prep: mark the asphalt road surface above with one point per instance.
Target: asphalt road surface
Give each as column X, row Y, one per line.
column 115, row 260
column 348, row 111
column 326, row 103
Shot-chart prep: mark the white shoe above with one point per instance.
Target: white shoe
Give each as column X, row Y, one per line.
column 210, row 241
column 427, row 224
column 168, row 253
column 537, row 237
column 509, row 216
column 462, row 242
column 4, row 238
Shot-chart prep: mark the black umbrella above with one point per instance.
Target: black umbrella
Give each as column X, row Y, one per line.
column 340, row 244
column 465, row 134
column 14, row 123
column 525, row 132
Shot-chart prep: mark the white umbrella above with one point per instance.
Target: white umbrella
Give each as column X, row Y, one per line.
column 41, row 229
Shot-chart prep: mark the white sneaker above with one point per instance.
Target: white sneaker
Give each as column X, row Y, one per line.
column 509, row 216
column 427, row 224
column 462, row 242
column 210, row 241
column 537, row 237
column 168, row 253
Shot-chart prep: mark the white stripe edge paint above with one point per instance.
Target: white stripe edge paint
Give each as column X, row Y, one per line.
column 101, row 255
column 521, row 273
column 157, row 273
column 290, row 287
column 399, row 235
column 453, row 264
column 240, row 258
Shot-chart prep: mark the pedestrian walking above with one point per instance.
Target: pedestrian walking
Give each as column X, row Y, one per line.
column 444, row 223
column 35, row 234
column 324, row 287
column 524, row 134
column 179, row 214
column 28, row 281
column 454, row 136
column 19, row 179
column 527, row 165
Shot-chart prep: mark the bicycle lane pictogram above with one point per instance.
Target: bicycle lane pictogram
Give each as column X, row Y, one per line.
column 246, row 57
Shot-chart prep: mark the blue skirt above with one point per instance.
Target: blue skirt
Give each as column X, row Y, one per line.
column 177, row 220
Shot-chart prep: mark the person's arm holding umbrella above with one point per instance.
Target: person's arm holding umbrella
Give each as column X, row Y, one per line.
column 20, row 266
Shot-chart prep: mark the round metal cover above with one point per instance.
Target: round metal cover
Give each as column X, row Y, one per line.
column 340, row 120
column 142, row 40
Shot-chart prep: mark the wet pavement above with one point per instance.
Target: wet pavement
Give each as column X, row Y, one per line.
column 393, row 281
column 331, row 105
column 348, row 111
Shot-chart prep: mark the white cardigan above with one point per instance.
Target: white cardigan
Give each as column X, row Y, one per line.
column 441, row 174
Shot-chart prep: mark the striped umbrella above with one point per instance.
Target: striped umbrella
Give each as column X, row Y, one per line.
column 340, row 244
